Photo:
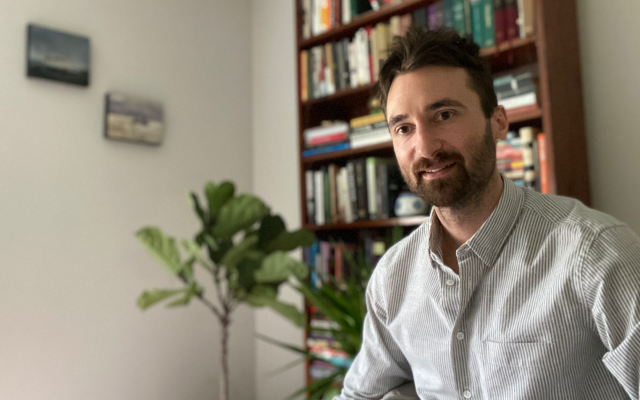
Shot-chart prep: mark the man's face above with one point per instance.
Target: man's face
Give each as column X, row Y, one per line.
column 444, row 144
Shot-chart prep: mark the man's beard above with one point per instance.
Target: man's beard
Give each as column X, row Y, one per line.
column 461, row 187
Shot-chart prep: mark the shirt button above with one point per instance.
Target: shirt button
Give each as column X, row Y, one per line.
column 450, row 282
column 467, row 394
column 460, row 336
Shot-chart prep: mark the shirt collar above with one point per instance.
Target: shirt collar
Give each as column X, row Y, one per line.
column 488, row 241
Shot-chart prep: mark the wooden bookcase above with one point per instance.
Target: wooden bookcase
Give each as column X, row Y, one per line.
column 553, row 46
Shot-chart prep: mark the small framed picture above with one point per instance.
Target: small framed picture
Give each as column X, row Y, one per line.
column 133, row 119
column 57, row 55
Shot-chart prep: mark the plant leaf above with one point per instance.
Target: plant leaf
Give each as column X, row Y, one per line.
column 218, row 196
column 270, row 227
column 151, row 297
column 194, row 250
column 161, row 247
column 235, row 254
column 237, row 214
column 277, row 267
column 288, row 241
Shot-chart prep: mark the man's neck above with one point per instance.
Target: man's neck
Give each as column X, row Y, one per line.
column 459, row 225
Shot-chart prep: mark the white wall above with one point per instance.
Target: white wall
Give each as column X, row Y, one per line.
column 275, row 171
column 610, row 55
column 71, row 201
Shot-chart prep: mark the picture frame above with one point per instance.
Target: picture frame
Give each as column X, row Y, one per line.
column 57, row 55
column 133, row 119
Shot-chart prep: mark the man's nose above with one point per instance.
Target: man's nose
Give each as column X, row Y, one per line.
column 427, row 143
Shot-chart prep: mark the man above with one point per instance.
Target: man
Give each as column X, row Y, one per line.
column 505, row 293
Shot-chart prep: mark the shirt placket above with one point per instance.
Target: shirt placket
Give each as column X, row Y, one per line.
column 469, row 269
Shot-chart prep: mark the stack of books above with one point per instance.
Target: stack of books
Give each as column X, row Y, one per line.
column 518, row 88
column 522, row 158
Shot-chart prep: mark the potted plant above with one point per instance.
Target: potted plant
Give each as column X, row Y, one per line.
column 242, row 246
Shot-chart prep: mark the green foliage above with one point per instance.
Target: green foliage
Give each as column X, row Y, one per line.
column 241, row 244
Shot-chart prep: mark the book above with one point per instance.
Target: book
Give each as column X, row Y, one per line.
column 477, row 21
column 526, row 18
column 332, row 173
column 544, row 167
column 367, row 119
column 324, row 133
column 329, row 66
column 511, row 19
column 327, row 195
column 521, row 100
column 353, row 192
column 325, row 149
column 457, row 10
column 448, row 13
column 488, row 34
column 304, row 75
column 527, row 137
column 318, row 196
column 369, row 138
column 309, row 196
column 372, row 186
column 362, row 209
column 419, row 18
column 499, row 21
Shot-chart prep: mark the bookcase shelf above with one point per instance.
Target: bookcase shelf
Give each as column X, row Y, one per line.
column 553, row 47
column 383, row 223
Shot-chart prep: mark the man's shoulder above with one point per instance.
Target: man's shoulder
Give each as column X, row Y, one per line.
column 561, row 211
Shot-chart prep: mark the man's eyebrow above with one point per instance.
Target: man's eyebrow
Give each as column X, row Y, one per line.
column 397, row 118
column 444, row 103
column 433, row 106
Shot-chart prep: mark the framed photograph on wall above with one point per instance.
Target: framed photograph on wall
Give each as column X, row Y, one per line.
column 57, row 55
column 133, row 119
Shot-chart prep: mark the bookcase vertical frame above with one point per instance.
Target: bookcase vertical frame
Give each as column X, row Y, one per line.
column 561, row 92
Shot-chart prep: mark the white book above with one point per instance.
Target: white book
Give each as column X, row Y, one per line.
column 372, row 185
column 344, row 199
column 522, row 100
column 346, row 11
column 319, row 196
column 353, row 64
column 310, row 194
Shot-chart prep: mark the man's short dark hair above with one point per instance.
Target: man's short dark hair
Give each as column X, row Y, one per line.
column 443, row 47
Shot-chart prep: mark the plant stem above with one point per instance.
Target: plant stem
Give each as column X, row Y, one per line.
column 224, row 377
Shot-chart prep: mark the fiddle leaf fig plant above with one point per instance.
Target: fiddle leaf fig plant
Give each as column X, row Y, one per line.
column 242, row 246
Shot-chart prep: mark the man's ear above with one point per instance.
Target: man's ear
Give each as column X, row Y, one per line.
column 500, row 123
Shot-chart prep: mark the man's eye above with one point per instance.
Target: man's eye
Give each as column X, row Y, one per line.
column 445, row 115
column 402, row 129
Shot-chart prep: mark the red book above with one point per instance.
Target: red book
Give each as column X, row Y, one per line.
column 368, row 30
column 542, row 160
column 334, row 137
column 511, row 19
column 499, row 21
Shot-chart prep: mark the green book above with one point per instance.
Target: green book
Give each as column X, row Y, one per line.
column 468, row 29
column 489, row 32
column 457, row 10
column 477, row 21
column 447, row 6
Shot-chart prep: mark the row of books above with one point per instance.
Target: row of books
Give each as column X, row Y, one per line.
column 517, row 88
column 363, row 189
column 359, row 132
column 354, row 62
column 320, row 16
column 521, row 157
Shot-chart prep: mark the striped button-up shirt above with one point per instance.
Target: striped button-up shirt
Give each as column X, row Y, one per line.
column 546, row 306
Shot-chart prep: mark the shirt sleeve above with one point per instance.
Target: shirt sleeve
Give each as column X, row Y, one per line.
column 380, row 366
column 611, row 286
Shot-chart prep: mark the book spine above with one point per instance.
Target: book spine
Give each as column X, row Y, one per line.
column 488, row 32
column 326, row 181
column 499, row 21
column 468, row 28
column 477, row 21
column 542, row 159
column 361, row 189
column 457, row 8
column 448, row 13
column 328, row 69
column 511, row 19
column 333, row 192
column 527, row 137
column 353, row 192
column 372, row 205
column 325, row 149
column 319, row 197
column 330, row 138
column 304, row 75
column 309, row 194
column 340, row 63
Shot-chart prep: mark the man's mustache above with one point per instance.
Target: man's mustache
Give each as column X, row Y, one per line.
column 445, row 157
